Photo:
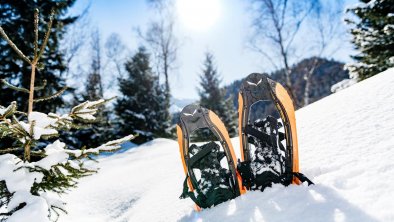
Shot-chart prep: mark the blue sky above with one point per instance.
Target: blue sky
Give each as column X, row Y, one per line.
column 226, row 38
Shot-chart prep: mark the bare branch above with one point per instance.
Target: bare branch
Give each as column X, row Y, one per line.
column 161, row 39
column 254, row 47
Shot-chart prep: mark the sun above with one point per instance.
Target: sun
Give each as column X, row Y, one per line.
column 198, row 15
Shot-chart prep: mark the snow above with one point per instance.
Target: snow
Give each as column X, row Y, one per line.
column 36, row 209
column 107, row 147
column 42, row 125
column 345, row 147
column 343, row 85
column 20, row 179
column 388, row 29
column 111, row 145
column 17, row 180
column 55, row 154
column 2, row 111
column 87, row 110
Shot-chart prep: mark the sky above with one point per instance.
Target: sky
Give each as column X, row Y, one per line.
column 219, row 26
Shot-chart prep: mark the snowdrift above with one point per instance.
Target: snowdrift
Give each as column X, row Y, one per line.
column 346, row 146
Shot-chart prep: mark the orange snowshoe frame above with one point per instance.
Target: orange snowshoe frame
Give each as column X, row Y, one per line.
column 192, row 118
column 258, row 87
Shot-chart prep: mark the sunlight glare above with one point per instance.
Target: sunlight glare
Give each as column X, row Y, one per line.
column 198, row 15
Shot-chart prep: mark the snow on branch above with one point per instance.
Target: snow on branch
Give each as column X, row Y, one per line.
column 107, row 147
column 86, row 110
column 30, row 186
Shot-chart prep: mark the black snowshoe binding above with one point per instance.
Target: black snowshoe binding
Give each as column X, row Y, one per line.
column 265, row 157
column 207, row 182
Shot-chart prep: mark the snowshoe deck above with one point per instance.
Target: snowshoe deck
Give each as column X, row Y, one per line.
column 214, row 184
column 270, row 161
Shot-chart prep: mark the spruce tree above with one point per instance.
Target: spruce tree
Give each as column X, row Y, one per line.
column 15, row 18
column 141, row 108
column 373, row 37
column 213, row 97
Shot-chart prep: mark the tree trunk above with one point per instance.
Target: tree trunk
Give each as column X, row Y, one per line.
column 306, row 92
column 307, row 78
column 31, row 90
column 167, row 84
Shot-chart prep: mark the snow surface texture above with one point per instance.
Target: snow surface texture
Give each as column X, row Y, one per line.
column 346, row 146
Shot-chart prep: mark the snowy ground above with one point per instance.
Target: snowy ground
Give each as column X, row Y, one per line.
column 346, row 147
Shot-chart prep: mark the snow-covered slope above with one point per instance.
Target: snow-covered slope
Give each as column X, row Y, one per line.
column 346, row 146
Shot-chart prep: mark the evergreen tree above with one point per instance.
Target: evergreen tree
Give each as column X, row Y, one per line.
column 35, row 166
column 141, row 108
column 213, row 97
column 373, row 36
column 15, row 18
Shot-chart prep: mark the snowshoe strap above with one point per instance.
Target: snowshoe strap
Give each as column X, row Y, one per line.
column 207, row 148
column 245, row 171
column 266, row 179
column 303, row 178
column 250, row 130
column 213, row 198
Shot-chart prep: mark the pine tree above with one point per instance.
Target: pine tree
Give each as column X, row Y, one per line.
column 141, row 108
column 373, row 37
column 213, row 97
column 15, row 18
column 36, row 165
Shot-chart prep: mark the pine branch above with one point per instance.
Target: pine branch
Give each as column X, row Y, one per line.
column 17, row 129
column 44, row 98
column 10, row 150
column 9, row 85
column 36, row 13
column 13, row 46
column 38, row 153
column 9, row 110
column 20, row 113
column 49, row 136
column 46, row 36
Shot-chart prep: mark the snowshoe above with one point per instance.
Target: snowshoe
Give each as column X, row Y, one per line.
column 267, row 133
column 210, row 167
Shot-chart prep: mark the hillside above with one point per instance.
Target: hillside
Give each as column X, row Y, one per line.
column 346, row 147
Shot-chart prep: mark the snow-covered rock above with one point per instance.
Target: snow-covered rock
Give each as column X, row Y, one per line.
column 346, row 146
